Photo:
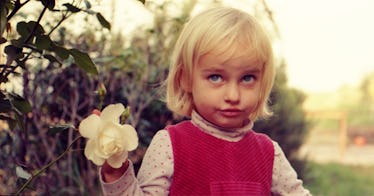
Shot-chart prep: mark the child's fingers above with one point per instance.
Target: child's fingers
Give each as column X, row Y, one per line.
column 96, row 111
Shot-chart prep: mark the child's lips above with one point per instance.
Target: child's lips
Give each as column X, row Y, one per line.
column 230, row 112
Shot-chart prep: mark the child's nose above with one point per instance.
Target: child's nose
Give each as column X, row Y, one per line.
column 232, row 93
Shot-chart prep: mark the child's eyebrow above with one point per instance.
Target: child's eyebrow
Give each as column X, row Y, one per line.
column 210, row 69
column 256, row 69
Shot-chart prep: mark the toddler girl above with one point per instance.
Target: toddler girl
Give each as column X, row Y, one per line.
column 221, row 75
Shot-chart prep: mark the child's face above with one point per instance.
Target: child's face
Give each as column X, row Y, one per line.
column 226, row 92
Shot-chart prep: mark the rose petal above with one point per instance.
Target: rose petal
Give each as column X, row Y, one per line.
column 89, row 152
column 88, row 127
column 109, row 135
column 98, row 152
column 116, row 160
column 131, row 137
column 112, row 112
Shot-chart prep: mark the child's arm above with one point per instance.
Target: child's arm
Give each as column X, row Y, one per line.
column 154, row 176
column 285, row 181
column 158, row 165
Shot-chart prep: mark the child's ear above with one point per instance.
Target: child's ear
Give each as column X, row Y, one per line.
column 185, row 82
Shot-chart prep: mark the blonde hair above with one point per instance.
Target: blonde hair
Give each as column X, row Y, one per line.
column 206, row 32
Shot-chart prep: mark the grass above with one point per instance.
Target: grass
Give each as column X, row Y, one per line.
column 340, row 180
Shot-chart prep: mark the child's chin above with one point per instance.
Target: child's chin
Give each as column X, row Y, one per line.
column 229, row 126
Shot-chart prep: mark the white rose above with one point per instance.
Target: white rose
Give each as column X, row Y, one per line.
column 107, row 138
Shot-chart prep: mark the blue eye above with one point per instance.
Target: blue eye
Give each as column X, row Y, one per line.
column 248, row 78
column 215, row 78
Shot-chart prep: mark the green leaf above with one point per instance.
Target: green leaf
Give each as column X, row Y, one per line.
column 62, row 52
column 13, row 51
column 103, row 21
column 50, row 4
column 22, row 29
column 19, row 103
column 18, row 42
column 19, row 121
column 88, row 4
column 71, row 8
column 53, row 130
column 51, row 58
column 125, row 115
column 83, row 61
column 43, row 42
column 39, row 28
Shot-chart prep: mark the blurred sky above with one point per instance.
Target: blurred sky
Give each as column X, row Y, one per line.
column 327, row 43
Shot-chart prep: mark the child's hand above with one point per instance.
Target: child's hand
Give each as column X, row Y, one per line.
column 108, row 140
column 111, row 174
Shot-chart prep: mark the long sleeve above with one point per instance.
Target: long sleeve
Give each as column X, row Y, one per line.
column 154, row 176
column 285, row 181
column 157, row 169
column 127, row 184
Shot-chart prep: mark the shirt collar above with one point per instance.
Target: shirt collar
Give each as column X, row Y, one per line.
column 219, row 132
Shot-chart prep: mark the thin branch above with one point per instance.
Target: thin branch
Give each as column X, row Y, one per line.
column 64, row 17
column 39, row 172
column 17, row 6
